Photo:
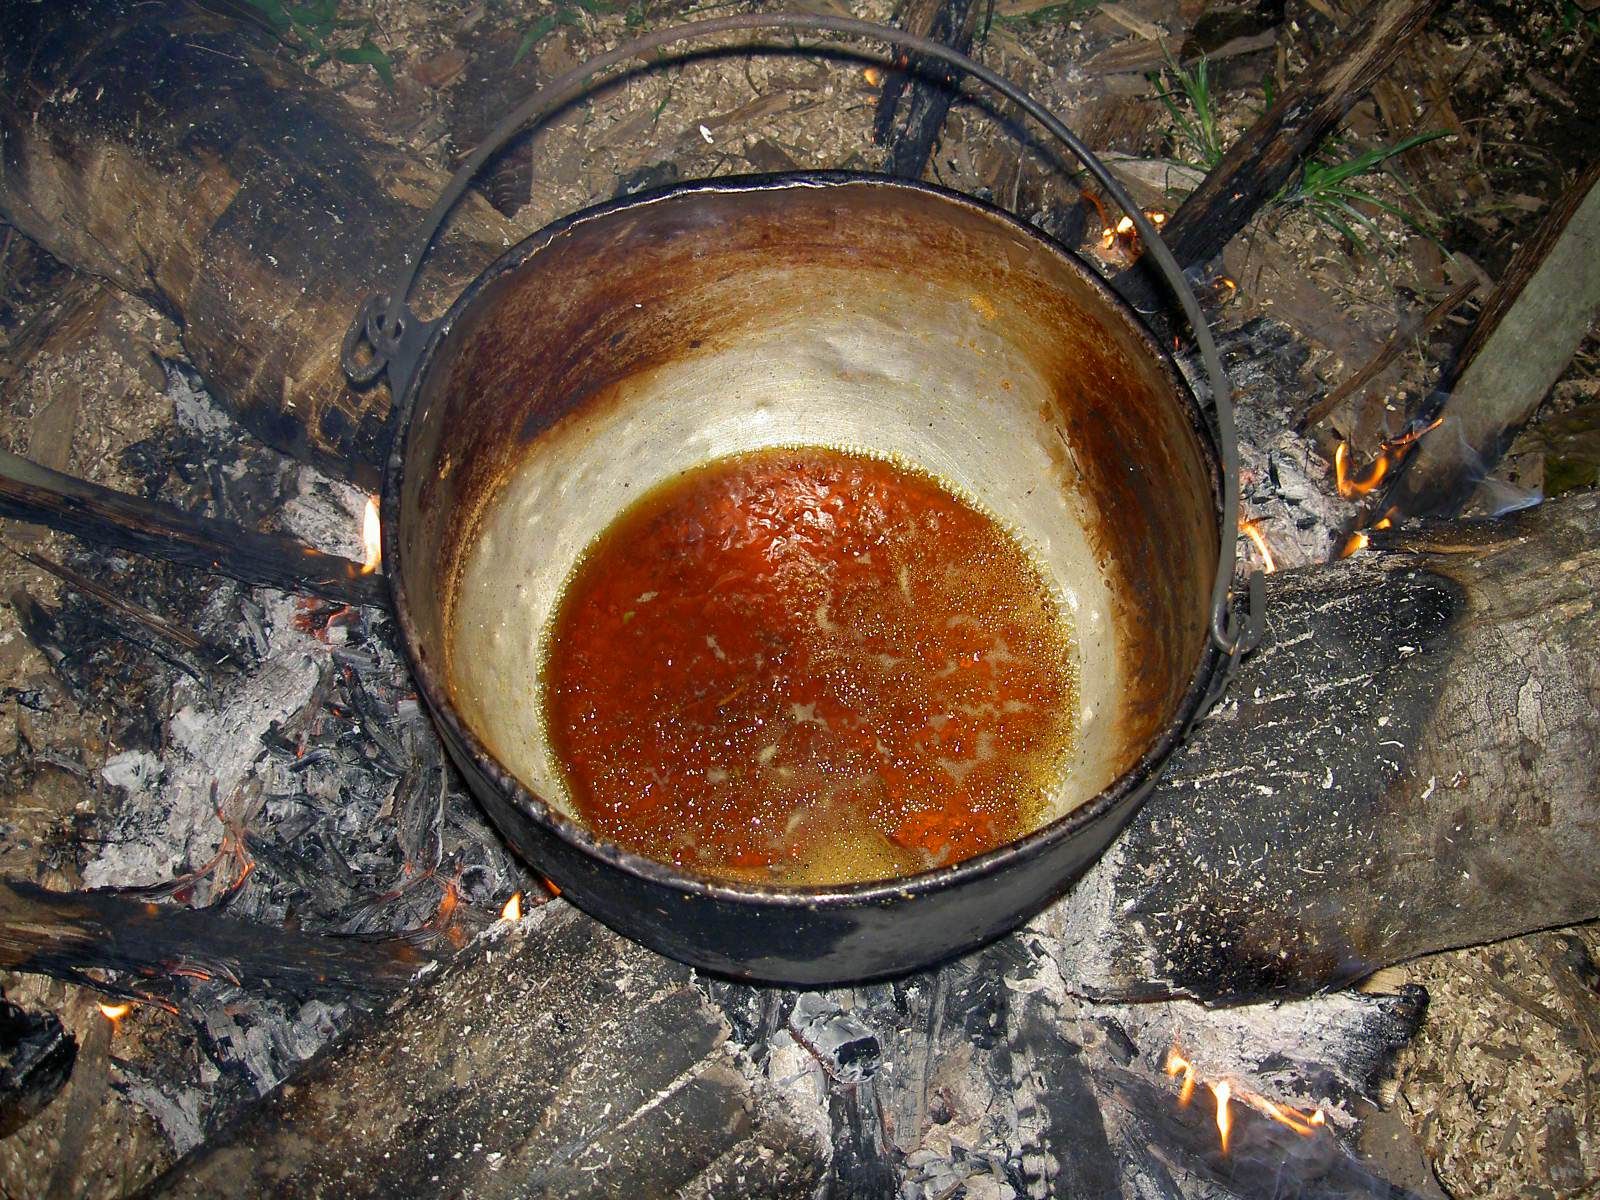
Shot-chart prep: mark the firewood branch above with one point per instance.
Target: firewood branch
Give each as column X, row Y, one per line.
column 30, row 492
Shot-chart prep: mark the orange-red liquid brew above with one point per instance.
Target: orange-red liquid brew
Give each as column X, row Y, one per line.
column 808, row 666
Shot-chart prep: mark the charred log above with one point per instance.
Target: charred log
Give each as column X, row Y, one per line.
column 36, row 1057
column 110, row 519
column 1408, row 764
column 177, row 153
column 916, row 99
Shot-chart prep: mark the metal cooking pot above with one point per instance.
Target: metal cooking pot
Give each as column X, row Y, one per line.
column 626, row 343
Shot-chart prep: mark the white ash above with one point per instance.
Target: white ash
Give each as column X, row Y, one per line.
column 132, row 770
column 995, row 1078
column 195, row 410
column 167, row 819
column 265, row 1043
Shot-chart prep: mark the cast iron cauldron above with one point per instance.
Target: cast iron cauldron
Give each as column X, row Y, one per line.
column 626, row 343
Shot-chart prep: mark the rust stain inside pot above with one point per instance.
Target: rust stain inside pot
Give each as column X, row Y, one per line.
column 808, row 666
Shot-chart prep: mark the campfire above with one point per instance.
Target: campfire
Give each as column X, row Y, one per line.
column 260, row 936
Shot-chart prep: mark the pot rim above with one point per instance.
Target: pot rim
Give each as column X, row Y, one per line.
column 1133, row 782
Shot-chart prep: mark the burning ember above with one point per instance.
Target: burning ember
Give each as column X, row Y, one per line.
column 513, row 908
column 371, row 538
column 1252, row 530
column 1304, row 1123
column 873, row 75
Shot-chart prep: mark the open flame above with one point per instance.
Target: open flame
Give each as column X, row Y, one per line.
column 1177, row 1065
column 513, row 908
column 1123, row 231
column 1360, row 540
column 1252, row 530
column 1223, row 1091
column 371, row 538
column 114, row 1013
column 1299, row 1120
column 1350, row 486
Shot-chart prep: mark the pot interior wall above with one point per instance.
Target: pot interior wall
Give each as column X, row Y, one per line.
column 606, row 356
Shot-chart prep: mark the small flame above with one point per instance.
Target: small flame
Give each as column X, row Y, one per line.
column 114, row 1013
column 1223, row 1091
column 1301, row 1121
column 1124, row 232
column 1389, row 454
column 371, row 537
column 1252, row 530
column 1357, row 542
column 1177, row 1065
column 873, row 76
column 1225, row 288
column 513, row 908
column 1416, row 435
column 1351, row 486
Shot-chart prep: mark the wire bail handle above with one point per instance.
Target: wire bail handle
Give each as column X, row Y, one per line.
column 395, row 336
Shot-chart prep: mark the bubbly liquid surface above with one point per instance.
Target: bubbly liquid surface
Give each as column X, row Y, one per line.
column 808, row 666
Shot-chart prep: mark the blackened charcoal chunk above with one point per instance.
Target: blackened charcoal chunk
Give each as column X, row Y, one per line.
column 36, row 1057
column 847, row 1049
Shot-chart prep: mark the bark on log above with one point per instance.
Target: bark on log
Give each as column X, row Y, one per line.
column 1411, row 762
column 178, row 154
column 572, row 1063
column 1530, row 327
column 64, row 934
column 29, row 492
column 1258, row 165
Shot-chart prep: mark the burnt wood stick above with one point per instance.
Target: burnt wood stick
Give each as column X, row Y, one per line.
column 1410, row 763
column 1531, row 326
column 1267, row 156
column 567, row 1063
column 29, row 492
column 181, row 155
column 916, row 99
column 65, row 934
